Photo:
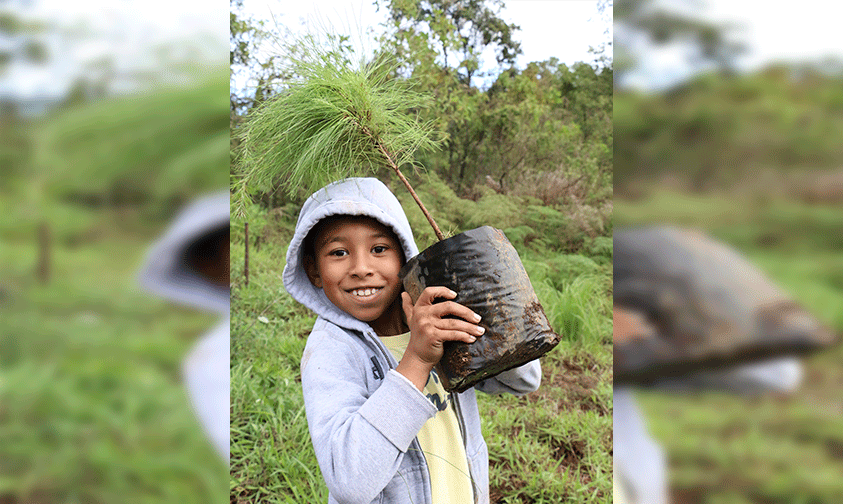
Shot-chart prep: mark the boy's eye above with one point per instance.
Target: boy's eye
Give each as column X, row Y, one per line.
column 338, row 253
column 379, row 249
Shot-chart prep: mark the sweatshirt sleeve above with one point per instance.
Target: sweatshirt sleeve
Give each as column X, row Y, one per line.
column 518, row 381
column 359, row 439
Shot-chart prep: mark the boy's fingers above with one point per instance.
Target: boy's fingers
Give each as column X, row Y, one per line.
column 458, row 336
column 447, row 324
column 431, row 293
column 454, row 308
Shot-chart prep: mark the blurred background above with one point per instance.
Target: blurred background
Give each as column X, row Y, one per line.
column 112, row 118
column 729, row 118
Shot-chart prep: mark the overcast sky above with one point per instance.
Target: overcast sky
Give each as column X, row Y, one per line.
column 561, row 28
column 797, row 32
column 126, row 29
column 123, row 31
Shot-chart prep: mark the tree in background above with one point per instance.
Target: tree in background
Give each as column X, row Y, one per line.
column 604, row 52
column 549, row 118
column 501, row 123
column 439, row 43
column 15, row 144
column 529, row 121
column 450, row 34
column 642, row 24
column 251, row 73
column 24, row 40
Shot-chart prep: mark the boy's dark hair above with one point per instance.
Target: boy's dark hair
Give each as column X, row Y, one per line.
column 309, row 244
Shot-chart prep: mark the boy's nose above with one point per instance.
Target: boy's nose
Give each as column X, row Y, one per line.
column 362, row 267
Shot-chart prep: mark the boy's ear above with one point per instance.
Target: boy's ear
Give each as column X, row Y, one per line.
column 312, row 272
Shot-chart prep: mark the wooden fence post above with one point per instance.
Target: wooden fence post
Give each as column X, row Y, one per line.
column 246, row 257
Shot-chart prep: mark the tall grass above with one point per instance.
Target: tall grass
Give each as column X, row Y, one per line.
column 575, row 292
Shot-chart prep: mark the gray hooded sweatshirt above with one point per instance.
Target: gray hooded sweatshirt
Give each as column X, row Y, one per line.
column 363, row 415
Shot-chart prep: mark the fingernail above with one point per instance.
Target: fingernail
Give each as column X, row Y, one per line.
column 477, row 317
column 472, row 339
column 480, row 330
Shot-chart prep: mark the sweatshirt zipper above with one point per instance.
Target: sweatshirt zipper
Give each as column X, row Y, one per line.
column 379, row 346
column 416, row 445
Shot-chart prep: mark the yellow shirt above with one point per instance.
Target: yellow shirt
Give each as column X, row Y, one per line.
column 440, row 438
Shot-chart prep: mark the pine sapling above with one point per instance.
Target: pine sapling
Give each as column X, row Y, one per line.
column 336, row 120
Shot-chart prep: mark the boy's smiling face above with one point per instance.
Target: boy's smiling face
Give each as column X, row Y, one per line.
column 356, row 263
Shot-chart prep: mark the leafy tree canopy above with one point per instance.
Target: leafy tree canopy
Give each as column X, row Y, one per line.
column 452, row 33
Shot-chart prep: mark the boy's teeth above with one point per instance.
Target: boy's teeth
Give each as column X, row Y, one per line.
column 364, row 292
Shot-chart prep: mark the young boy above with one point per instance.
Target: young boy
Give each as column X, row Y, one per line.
column 383, row 428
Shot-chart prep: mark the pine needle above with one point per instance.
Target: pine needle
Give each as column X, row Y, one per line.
column 334, row 121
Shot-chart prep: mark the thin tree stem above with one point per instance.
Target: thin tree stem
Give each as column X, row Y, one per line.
column 415, row 196
column 394, row 167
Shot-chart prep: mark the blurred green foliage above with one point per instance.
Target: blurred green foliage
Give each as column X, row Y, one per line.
column 15, row 151
column 717, row 132
column 92, row 403
column 141, row 155
column 156, row 150
column 733, row 448
column 754, row 160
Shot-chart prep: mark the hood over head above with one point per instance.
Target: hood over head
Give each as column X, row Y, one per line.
column 165, row 270
column 367, row 197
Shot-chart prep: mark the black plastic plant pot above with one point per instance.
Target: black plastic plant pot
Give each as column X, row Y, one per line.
column 484, row 269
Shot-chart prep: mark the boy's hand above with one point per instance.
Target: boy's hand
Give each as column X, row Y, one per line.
column 429, row 330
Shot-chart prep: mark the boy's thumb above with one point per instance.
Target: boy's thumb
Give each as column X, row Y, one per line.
column 407, row 304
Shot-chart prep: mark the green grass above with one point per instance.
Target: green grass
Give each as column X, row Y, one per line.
column 730, row 449
column 554, row 443
column 92, row 405
column 574, row 291
column 552, row 446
